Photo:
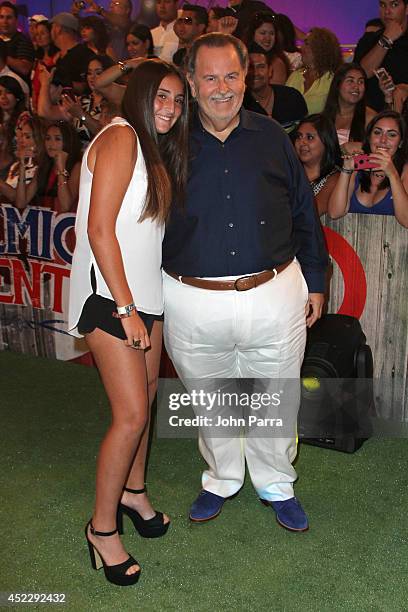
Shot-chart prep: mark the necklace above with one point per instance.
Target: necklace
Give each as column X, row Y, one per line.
column 264, row 100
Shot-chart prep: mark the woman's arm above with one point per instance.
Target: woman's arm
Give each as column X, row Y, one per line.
column 24, row 193
column 399, row 185
column 323, row 197
column 339, row 200
column 105, row 82
column 65, row 182
column 278, row 71
column 109, row 186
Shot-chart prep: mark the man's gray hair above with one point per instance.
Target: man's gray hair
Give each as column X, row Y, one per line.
column 217, row 40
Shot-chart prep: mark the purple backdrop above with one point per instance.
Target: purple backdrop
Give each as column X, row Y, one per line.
column 345, row 17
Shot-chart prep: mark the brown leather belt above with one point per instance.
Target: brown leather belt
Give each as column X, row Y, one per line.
column 243, row 283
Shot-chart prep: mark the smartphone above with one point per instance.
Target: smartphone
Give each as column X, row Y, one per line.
column 362, row 162
column 68, row 91
column 381, row 73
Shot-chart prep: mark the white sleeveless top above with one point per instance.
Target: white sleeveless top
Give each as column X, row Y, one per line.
column 140, row 244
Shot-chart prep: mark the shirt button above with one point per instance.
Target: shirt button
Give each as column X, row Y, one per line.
column 230, row 225
column 232, row 252
column 226, row 171
column 228, row 196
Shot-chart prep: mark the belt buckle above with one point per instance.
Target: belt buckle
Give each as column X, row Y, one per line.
column 243, row 278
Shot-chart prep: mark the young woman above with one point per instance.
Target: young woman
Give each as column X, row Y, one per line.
column 139, row 44
column 46, row 55
column 56, row 181
column 30, row 149
column 321, row 54
column 287, row 40
column 96, row 37
column 12, row 104
column 383, row 190
column 346, row 106
column 130, row 173
column 319, row 151
column 263, row 31
column 139, row 41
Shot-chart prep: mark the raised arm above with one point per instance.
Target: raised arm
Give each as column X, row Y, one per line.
column 109, row 185
column 339, row 201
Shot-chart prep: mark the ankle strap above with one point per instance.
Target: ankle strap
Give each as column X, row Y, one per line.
column 135, row 491
column 101, row 533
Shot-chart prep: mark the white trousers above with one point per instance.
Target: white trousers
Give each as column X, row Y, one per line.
column 260, row 333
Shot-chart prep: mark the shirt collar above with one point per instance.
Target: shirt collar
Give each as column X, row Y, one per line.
column 247, row 121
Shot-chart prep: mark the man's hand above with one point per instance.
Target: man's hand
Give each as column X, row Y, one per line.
column 313, row 308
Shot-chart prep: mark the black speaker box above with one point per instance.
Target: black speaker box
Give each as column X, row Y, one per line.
column 337, row 396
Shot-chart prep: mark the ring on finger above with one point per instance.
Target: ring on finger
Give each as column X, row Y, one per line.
column 136, row 343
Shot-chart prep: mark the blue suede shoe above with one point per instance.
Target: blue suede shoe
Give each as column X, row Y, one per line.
column 290, row 514
column 206, row 507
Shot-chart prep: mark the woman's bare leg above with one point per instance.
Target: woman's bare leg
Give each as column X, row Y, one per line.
column 136, row 477
column 123, row 372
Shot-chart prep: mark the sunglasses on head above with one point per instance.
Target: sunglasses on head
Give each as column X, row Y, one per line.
column 186, row 20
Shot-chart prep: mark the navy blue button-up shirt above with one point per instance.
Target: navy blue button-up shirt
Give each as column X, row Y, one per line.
column 249, row 207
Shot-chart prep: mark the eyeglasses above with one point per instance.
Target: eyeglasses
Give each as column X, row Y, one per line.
column 185, row 20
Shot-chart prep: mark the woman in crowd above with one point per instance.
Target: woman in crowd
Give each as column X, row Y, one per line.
column 12, row 104
column 346, row 106
column 382, row 190
column 96, row 37
column 46, row 55
column 322, row 56
column 263, row 31
column 139, row 44
column 139, row 41
column 55, row 183
column 86, row 110
column 318, row 149
column 287, row 40
column 30, row 149
column 130, row 174
column 215, row 14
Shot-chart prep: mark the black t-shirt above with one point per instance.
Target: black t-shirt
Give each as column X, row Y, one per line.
column 289, row 105
column 395, row 62
column 20, row 47
column 72, row 67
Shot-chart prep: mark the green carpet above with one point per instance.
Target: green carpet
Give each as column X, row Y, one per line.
column 354, row 557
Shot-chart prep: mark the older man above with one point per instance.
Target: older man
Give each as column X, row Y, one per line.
column 235, row 294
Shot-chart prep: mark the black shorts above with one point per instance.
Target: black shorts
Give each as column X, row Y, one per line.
column 97, row 313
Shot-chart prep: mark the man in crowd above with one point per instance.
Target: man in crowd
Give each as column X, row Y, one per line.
column 387, row 48
column 20, row 51
column 190, row 24
column 118, row 19
column 74, row 56
column 165, row 39
column 237, row 304
column 285, row 104
column 5, row 70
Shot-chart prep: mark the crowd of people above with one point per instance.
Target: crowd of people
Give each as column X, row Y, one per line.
column 74, row 69
column 241, row 283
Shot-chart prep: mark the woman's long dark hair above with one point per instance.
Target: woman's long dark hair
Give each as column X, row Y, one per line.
column 143, row 33
column 332, row 107
column 52, row 49
column 327, row 134
column 400, row 157
column 165, row 155
column 257, row 20
column 13, row 87
column 70, row 144
column 101, row 40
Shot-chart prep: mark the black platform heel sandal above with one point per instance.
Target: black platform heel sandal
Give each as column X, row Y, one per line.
column 154, row 527
column 114, row 573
